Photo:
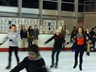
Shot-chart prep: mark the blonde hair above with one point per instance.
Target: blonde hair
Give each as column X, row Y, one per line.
column 57, row 31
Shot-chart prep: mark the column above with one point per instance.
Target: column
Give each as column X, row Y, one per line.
column 76, row 11
column 59, row 9
column 40, row 10
column 59, row 13
column 20, row 8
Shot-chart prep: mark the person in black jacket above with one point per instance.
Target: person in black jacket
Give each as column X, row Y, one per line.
column 88, row 41
column 33, row 62
column 23, row 35
column 30, row 36
column 93, row 35
column 73, row 34
column 36, row 34
column 58, row 41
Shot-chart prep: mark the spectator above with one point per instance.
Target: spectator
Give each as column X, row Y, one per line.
column 30, row 36
column 35, row 34
column 23, row 35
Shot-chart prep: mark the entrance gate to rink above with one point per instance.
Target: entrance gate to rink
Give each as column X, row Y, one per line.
column 90, row 6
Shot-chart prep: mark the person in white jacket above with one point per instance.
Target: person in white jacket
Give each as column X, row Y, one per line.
column 12, row 36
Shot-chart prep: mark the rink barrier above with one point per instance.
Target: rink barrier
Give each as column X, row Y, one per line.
column 41, row 49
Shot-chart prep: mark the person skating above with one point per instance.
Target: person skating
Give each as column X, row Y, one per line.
column 88, row 41
column 58, row 41
column 33, row 62
column 73, row 34
column 12, row 36
column 80, row 41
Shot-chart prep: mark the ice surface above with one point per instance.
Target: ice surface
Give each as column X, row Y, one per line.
column 66, row 61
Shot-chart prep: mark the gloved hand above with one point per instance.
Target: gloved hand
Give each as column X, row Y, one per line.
column 45, row 43
column 10, row 40
column 68, row 42
column 1, row 43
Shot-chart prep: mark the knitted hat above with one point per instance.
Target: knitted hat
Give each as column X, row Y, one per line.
column 34, row 48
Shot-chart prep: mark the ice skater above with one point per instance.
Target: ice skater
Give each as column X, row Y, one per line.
column 94, row 38
column 12, row 36
column 73, row 33
column 33, row 62
column 80, row 41
column 88, row 41
column 58, row 41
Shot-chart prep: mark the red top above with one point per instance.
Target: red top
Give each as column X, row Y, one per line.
column 80, row 41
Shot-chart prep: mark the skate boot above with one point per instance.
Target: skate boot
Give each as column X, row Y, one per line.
column 52, row 65
column 8, row 67
column 80, row 67
column 88, row 54
column 75, row 66
column 56, row 65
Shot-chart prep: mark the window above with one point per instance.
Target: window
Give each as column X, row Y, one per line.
column 67, row 7
column 80, row 8
column 68, row 0
column 30, row 3
column 50, row 5
column 9, row 3
column 81, row 1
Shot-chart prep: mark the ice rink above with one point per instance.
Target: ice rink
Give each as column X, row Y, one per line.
column 66, row 61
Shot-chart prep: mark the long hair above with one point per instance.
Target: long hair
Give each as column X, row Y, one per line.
column 29, row 28
column 83, row 33
column 74, row 31
column 82, row 30
column 63, row 28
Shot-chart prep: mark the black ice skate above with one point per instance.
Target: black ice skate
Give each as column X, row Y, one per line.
column 52, row 66
column 8, row 67
column 75, row 66
column 88, row 54
column 56, row 65
column 80, row 67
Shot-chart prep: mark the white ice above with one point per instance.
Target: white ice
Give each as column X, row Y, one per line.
column 66, row 61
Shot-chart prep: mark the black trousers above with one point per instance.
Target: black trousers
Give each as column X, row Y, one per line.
column 94, row 40
column 11, row 49
column 30, row 41
column 73, row 46
column 79, row 51
column 57, row 52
